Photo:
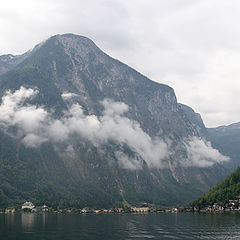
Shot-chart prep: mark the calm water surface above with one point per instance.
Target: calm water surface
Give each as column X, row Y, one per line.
column 119, row 226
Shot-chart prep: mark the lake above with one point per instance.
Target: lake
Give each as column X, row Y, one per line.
column 31, row 226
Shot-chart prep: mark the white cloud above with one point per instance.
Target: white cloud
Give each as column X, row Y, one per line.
column 201, row 154
column 67, row 95
column 36, row 125
column 126, row 162
column 13, row 112
column 33, row 140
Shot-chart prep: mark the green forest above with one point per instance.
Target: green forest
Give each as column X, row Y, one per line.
column 223, row 192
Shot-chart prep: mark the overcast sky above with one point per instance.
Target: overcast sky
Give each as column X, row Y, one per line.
column 191, row 45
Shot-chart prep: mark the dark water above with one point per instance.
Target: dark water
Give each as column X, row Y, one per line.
column 119, row 226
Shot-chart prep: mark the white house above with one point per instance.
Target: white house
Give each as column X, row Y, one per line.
column 28, row 205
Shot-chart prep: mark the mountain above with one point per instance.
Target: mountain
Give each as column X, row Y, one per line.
column 226, row 190
column 79, row 128
column 224, row 138
column 227, row 140
column 9, row 61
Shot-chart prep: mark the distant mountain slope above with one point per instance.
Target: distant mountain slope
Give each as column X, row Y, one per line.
column 227, row 140
column 9, row 61
column 224, row 191
column 80, row 128
column 224, row 138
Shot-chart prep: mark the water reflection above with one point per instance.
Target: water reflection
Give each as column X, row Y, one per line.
column 44, row 219
column 27, row 220
column 31, row 226
column 10, row 218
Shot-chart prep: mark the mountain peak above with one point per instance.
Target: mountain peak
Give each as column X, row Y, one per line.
column 72, row 36
column 73, row 41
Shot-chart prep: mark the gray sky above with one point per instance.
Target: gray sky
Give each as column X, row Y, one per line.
column 191, row 45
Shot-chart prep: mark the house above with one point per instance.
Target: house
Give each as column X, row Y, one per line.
column 174, row 210
column 27, row 206
column 44, row 208
column 10, row 210
column 35, row 209
column 119, row 210
column 84, row 210
column 140, row 209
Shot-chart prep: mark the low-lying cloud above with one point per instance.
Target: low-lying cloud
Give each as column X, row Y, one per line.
column 36, row 125
column 201, row 154
column 68, row 95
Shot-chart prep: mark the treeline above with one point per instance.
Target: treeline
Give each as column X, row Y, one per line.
column 224, row 191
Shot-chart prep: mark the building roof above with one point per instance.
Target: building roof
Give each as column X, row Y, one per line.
column 28, row 204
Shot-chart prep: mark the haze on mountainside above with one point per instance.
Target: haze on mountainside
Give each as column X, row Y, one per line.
column 104, row 124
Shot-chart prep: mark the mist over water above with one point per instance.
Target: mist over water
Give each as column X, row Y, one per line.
column 119, row 226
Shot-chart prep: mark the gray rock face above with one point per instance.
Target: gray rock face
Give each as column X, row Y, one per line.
column 195, row 119
column 71, row 64
column 93, row 76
